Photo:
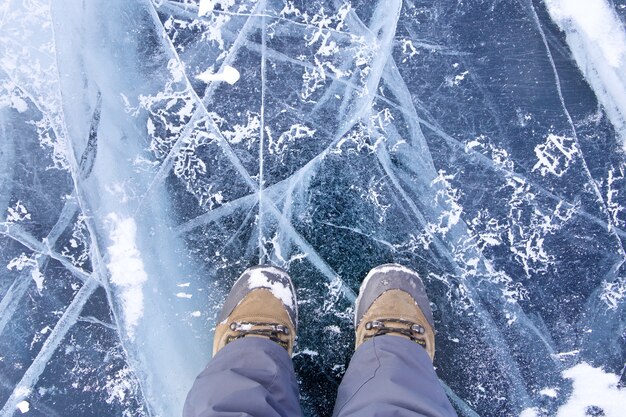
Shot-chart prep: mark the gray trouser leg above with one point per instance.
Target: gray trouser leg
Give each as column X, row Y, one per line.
column 248, row 377
column 391, row 376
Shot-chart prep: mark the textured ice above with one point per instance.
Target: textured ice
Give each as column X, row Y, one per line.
column 479, row 143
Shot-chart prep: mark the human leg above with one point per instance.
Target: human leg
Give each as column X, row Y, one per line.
column 391, row 372
column 251, row 373
column 391, row 376
column 248, row 377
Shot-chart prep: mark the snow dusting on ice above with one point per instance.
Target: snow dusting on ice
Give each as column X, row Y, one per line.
column 126, row 268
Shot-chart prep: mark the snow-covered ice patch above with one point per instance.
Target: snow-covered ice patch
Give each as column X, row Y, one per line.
column 228, row 74
column 592, row 387
column 530, row 412
column 597, row 20
column 555, row 155
column 183, row 295
column 333, row 329
column 22, row 261
column 23, row 406
column 307, row 352
column 596, row 37
column 565, row 355
column 17, row 213
column 19, row 104
column 207, row 6
column 549, row 392
column 126, row 268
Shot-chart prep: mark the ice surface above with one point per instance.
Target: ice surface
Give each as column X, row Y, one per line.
column 479, row 143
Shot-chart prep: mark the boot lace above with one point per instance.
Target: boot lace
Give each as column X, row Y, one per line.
column 273, row 331
column 413, row 331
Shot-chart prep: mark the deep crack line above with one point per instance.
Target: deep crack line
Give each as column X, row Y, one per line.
column 411, row 115
column 361, row 108
column 19, row 287
column 262, row 252
column 502, row 355
column 201, row 109
column 17, row 233
column 37, row 367
column 592, row 181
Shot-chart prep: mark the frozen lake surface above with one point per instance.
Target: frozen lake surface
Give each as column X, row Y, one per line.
column 152, row 151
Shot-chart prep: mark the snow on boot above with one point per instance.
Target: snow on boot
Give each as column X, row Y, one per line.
column 392, row 300
column 262, row 303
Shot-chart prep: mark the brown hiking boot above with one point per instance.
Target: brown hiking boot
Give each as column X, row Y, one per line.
column 262, row 303
column 392, row 300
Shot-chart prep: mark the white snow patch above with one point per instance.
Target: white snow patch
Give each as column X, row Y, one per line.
column 126, row 268
column 565, row 355
column 207, row 6
column 259, row 280
column 295, row 132
column 490, row 239
column 183, row 295
column 597, row 21
column 592, row 387
column 338, row 367
column 38, row 277
column 332, row 329
column 530, row 412
column 229, row 74
column 460, row 77
column 19, row 104
column 555, row 155
column 549, row 392
column 23, row 261
column 17, row 213
column 408, row 49
column 308, row 352
column 613, row 293
column 23, row 406
column 471, row 145
column 196, row 314
column 596, row 37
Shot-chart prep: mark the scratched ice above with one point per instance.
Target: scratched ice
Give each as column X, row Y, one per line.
column 151, row 151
